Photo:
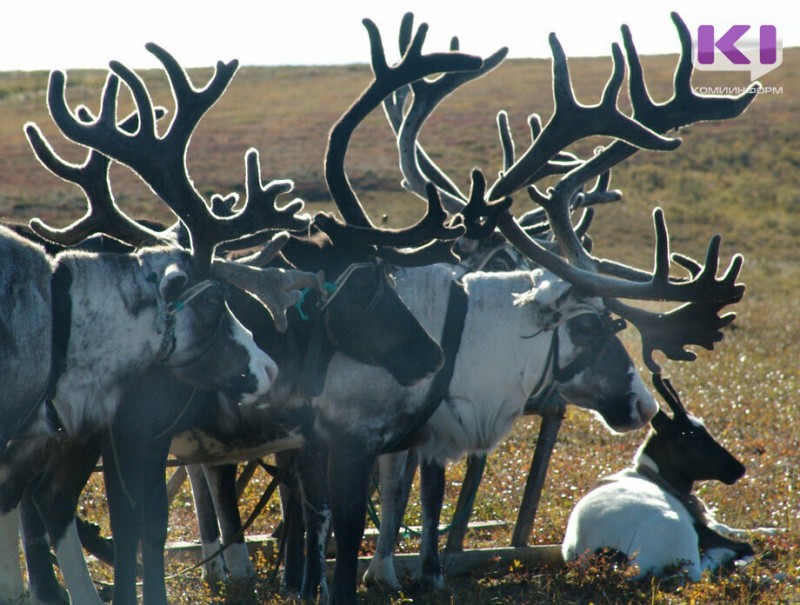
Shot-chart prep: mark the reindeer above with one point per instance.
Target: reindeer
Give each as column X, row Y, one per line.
column 648, row 513
column 363, row 318
column 161, row 301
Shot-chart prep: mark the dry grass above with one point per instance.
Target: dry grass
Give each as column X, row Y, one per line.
column 738, row 178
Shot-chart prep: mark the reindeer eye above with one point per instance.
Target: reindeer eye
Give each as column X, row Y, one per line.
column 500, row 262
column 584, row 329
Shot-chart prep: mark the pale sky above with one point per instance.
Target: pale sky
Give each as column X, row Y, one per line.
column 62, row 34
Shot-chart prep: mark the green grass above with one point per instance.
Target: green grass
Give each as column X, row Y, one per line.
column 738, row 178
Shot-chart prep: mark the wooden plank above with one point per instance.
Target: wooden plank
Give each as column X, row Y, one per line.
column 480, row 559
column 266, row 544
column 453, row 564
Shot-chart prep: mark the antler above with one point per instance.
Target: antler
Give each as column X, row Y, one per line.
column 277, row 289
column 160, row 160
column 698, row 321
column 103, row 214
column 669, row 394
column 413, row 67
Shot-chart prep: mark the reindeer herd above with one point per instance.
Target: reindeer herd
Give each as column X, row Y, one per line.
column 249, row 327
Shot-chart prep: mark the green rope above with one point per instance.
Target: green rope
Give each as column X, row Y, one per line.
column 329, row 287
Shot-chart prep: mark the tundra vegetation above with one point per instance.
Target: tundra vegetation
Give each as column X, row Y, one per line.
column 736, row 177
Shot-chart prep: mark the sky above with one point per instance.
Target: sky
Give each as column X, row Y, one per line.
column 59, row 34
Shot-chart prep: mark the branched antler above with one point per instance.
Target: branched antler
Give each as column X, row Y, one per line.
column 103, row 214
column 160, row 160
column 705, row 291
column 413, row 66
column 277, row 289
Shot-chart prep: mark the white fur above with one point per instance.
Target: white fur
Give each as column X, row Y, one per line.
column 262, row 366
column 107, row 344
column 237, row 560
column 73, row 566
column 638, row 518
column 214, row 568
column 633, row 515
column 496, row 368
column 11, row 585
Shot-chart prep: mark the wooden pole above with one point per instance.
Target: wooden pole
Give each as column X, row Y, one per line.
column 548, row 431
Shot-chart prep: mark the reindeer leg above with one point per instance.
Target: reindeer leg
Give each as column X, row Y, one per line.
column 208, row 526
column 432, row 495
column 154, row 522
column 292, row 529
column 349, row 467
column 316, row 517
column 52, row 505
column 221, row 481
column 124, row 476
column 717, row 550
column 21, row 462
column 396, row 475
column 41, row 576
column 11, row 584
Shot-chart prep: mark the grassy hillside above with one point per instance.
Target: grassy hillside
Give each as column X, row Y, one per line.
column 737, row 178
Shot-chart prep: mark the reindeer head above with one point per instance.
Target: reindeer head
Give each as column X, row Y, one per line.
column 196, row 333
column 682, row 449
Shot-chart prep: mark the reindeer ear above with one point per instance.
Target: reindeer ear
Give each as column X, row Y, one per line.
column 173, row 282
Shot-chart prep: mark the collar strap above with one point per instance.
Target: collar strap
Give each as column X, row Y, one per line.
column 61, row 317
column 331, row 289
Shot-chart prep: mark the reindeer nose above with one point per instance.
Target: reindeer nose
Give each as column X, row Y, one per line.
column 272, row 374
column 646, row 409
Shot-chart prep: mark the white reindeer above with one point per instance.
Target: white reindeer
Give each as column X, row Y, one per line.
column 648, row 512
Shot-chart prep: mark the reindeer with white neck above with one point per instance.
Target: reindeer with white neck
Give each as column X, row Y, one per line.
column 649, row 514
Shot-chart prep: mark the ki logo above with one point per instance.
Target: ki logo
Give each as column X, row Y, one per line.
column 738, row 48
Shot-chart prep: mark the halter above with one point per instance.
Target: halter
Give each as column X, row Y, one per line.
column 165, row 322
column 384, row 279
column 609, row 328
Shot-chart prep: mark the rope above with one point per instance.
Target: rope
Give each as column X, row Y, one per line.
column 265, row 497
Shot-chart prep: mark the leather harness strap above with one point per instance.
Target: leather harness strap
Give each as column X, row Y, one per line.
column 457, row 305
column 61, row 317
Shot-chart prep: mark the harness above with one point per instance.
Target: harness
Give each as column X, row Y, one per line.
column 438, row 391
column 319, row 352
column 61, row 318
column 560, row 374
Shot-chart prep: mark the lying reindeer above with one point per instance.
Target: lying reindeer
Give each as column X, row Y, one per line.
column 648, row 512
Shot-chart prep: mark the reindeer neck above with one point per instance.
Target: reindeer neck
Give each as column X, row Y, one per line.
column 649, row 468
column 662, row 473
